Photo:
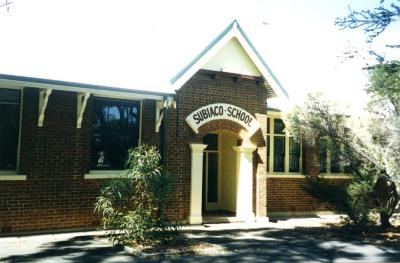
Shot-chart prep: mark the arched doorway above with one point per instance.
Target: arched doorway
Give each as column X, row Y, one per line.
column 219, row 191
column 219, row 165
column 203, row 199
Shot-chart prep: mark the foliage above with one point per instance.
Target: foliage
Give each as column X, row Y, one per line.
column 319, row 118
column 384, row 90
column 361, row 199
column 384, row 105
column 356, row 147
column 384, row 87
column 374, row 21
column 353, row 199
column 132, row 204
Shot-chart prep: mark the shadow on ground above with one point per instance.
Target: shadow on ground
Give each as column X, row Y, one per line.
column 298, row 245
column 74, row 249
column 251, row 245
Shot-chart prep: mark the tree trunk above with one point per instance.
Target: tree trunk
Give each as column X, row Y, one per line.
column 385, row 223
column 387, row 197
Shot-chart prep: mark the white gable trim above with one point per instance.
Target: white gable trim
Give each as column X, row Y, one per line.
column 202, row 61
column 260, row 66
column 233, row 58
column 233, row 31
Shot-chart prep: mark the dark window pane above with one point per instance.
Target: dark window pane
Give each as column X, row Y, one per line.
column 335, row 163
column 294, row 156
column 268, row 152
column 9, row 128
column 115, row 129
column 268, row 131
column 279, row 126
column 347, row 169
column 323, row 151
column 279, row 154
column 203, row 190
column 212, row 177
column 9, row 96
column 212, row 142
column 346, row 165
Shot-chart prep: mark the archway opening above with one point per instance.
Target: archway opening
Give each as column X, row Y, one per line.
column 219, row 193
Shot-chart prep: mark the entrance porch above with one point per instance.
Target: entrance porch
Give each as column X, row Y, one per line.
column 221, row 180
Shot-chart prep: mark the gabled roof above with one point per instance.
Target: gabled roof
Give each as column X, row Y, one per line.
column 233, row 30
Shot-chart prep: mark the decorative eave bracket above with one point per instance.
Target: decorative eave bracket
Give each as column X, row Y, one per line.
column 44, row 95
column 168, row 103
column 82, row 101
column 159, row 114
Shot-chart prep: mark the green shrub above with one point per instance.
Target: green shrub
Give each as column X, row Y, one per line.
column 360, row 202
column 356, row 199
column 132, row 204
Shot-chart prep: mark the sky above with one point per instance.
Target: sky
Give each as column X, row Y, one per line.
column 143, row 44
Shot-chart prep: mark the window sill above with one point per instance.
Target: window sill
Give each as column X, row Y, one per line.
column 286, row 175
column 336, row 176
column 12, row 177
column 97, row 174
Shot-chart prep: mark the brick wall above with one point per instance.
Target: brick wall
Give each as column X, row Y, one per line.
column 202, row 89
column 55, row 158
column 287, row 195
column 149, row 135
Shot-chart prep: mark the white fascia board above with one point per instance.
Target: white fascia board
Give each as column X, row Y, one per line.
column 260, row 66
column 233, row 33
column 100, row 92
column 202, row 61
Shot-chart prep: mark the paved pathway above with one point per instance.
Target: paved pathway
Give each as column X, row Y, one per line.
column 289, row 241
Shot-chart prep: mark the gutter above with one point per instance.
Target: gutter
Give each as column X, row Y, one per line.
column 22, row 81
column 163, row 134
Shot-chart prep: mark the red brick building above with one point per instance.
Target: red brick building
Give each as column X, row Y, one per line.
column 226, row 148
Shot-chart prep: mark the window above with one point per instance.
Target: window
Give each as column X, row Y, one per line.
column 115, row 129
column 330, row 162
column 294, row 156
column 283, row 153
column 210, row 168
column 9, row 128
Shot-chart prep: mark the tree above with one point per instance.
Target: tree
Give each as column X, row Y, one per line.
column 383, row 136
column 384, row 105
column 356, row 148
column 374, row 21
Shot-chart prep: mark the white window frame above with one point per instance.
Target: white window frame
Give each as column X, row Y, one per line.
column 13, row 175
column 270, row 173
column 104, row 174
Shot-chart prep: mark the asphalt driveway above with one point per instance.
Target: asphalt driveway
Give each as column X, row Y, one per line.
column 267, row 242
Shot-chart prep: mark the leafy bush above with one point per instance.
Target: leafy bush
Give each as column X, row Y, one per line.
column 320, row 120
column 132, row 204
column 353, row 199
column 360, row 202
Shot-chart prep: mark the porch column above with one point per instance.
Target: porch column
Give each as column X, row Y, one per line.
column 196, row 183
column 244, row 170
